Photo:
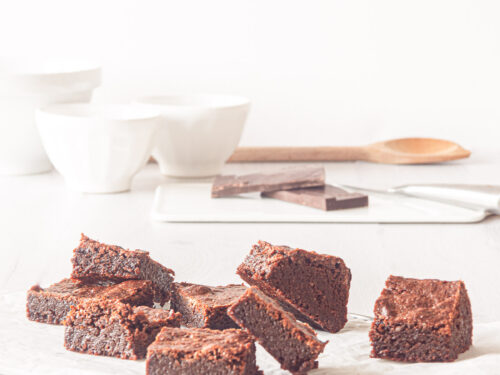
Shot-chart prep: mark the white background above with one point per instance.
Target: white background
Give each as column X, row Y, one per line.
column 318, row 72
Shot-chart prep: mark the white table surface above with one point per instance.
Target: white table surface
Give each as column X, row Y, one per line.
column 41, row 223
column 34, row 348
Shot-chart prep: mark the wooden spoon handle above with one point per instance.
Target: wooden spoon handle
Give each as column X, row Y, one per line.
column 259, row 154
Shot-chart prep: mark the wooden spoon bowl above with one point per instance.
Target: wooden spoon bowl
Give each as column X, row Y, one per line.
column 395, row 151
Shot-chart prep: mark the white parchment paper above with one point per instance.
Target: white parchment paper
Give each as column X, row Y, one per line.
column 33, row 348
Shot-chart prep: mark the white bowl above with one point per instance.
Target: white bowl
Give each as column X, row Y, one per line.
column 97, row 148
column 24, row 86
column 198, row 133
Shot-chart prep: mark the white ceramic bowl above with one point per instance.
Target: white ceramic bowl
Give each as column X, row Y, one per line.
column 198, row 133
column 97, row 148
column 24, row 86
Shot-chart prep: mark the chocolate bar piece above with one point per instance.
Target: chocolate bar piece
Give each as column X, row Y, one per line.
column 326, row 197
column 292, row 178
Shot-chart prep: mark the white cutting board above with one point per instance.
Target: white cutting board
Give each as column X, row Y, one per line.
column 191, row 202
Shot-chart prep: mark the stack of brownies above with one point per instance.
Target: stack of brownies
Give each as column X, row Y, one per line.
column 106, row 305
column 107, row 309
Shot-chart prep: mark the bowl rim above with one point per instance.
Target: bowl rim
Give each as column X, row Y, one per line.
column 80, row 66
column 194, row 101
column 89, row 112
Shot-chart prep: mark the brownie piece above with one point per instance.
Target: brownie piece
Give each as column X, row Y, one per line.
column 202, row 351
column 292, row 343
column 93, row 260
column 421, row 321
column 325, row 198
column 204, row 306
column 312, row 286
column 291, row 178
column 105, row 327
column 52, row 304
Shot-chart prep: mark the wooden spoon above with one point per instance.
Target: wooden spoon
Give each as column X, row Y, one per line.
column 396, row 151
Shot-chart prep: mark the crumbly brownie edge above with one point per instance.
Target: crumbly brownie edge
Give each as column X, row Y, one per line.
column 144, row 295
column 198, row 316
column 273, row 293
column 217, row 318
column 226, row 352
column 192, row 315
column 46, row 309
column 110, row 328
column 159, row 364
column 112, row 341
column 274, row 330
column 158, row 274
column 463, row 331
column 331, row 313
column 94, row 261
column 196, row 313
column 424, row 342
column 52, row 306
column 406, row 343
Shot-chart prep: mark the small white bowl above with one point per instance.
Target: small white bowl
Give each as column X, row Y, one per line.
column 198, row 133
column 97, row 148
column 26, row 84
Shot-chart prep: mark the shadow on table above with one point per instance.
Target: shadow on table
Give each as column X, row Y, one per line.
column 491, row 218
column 479, row 350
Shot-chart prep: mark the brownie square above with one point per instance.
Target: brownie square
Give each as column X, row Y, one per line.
column 421, row 321
column 290, row 342
column 202, row 351
column 52, row 304
column 93, row 260
column 312, row 286
column 205, row 306
column 115, row 329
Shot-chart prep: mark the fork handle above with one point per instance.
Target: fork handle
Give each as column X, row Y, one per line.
column 486, row 197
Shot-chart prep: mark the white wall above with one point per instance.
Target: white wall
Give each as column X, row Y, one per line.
column 318, row 71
